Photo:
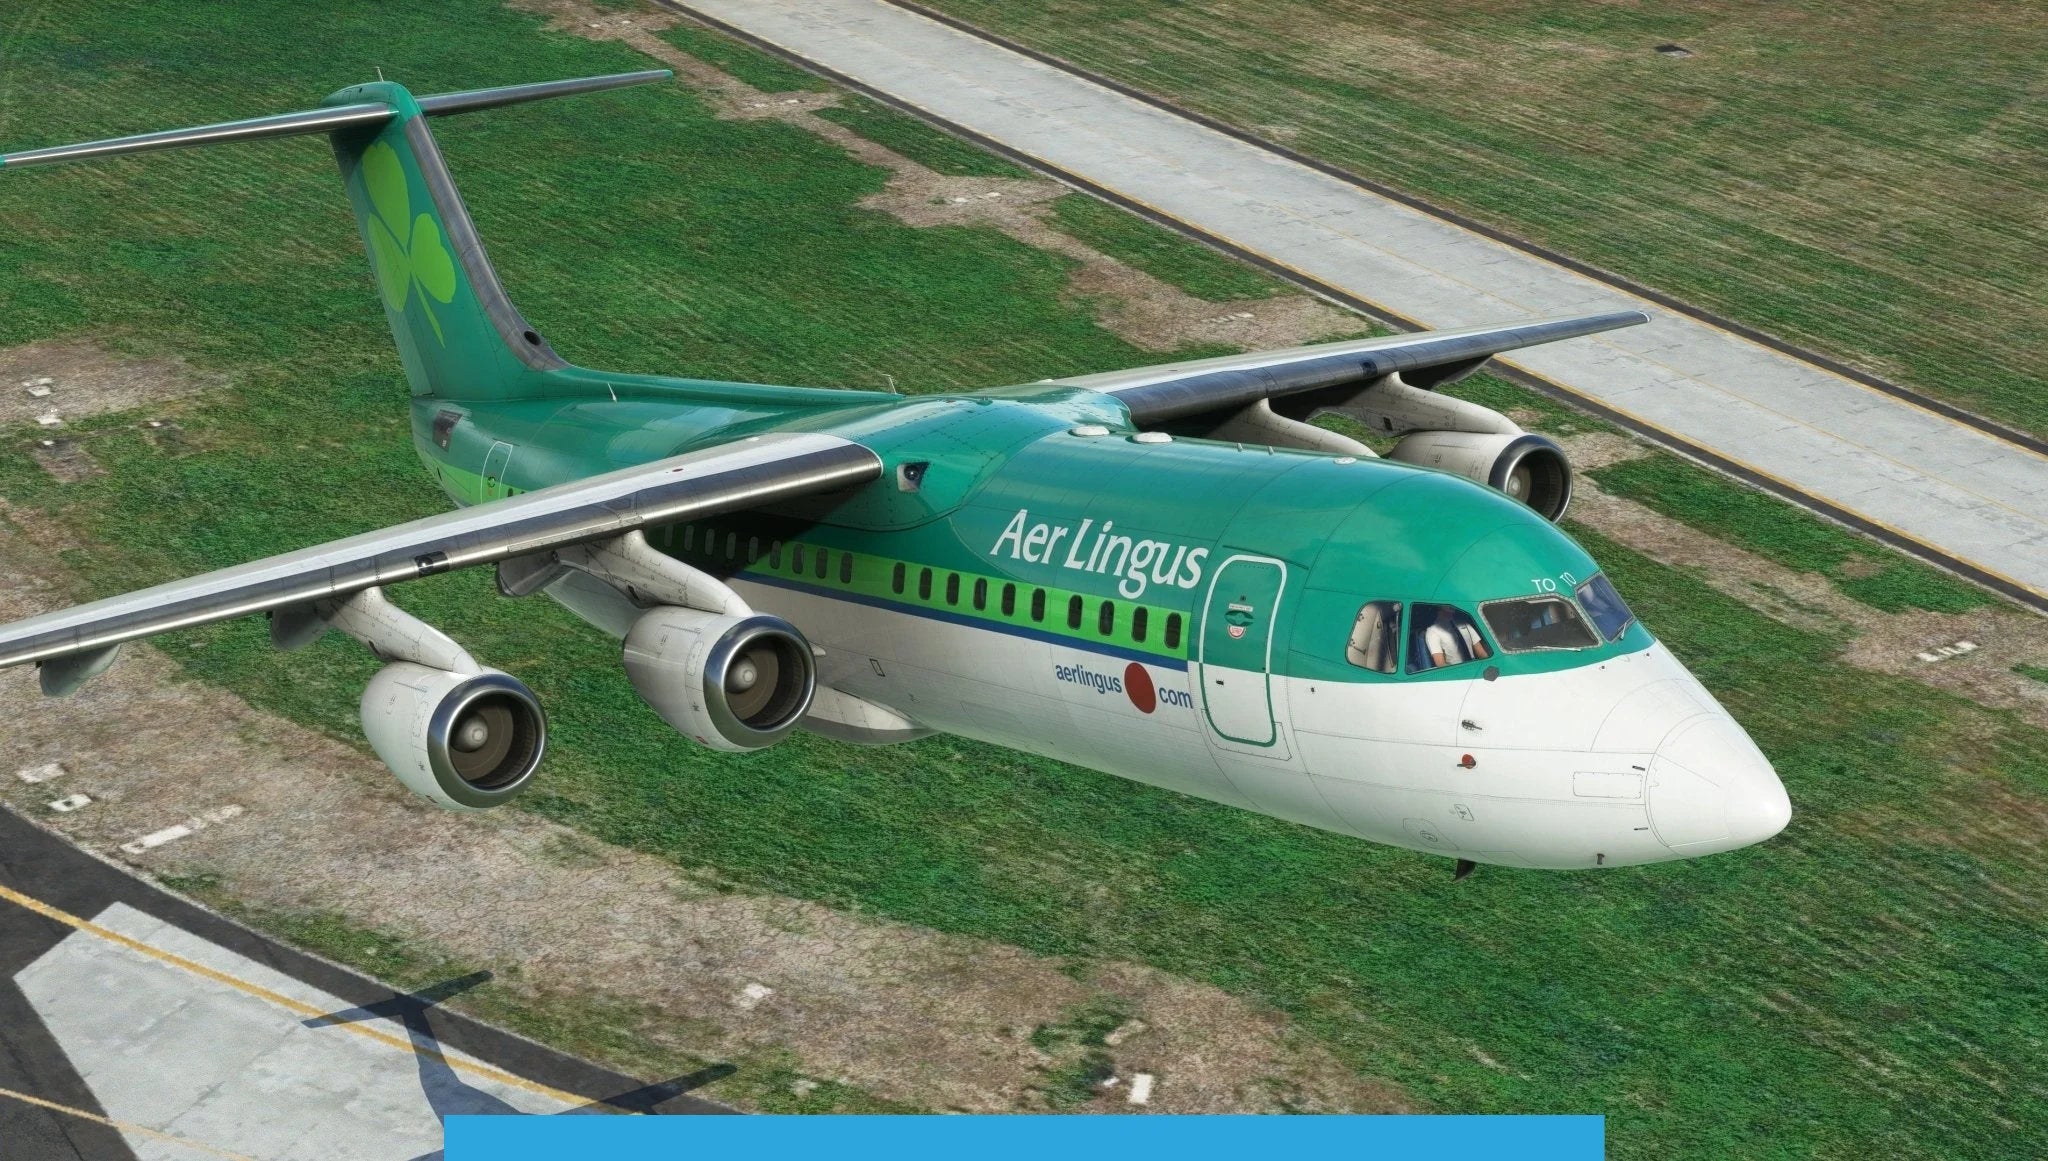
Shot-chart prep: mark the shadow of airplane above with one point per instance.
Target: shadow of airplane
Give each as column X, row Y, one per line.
column 449, row 1095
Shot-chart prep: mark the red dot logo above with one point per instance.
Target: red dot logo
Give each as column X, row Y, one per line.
column 1138, row 684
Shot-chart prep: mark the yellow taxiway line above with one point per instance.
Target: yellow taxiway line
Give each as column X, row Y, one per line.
column 403, row 1043
column 121, row 1126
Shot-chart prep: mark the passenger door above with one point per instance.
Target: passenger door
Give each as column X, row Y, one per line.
column 1236, row 652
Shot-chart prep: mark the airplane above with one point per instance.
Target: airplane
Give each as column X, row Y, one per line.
column 1166, row 574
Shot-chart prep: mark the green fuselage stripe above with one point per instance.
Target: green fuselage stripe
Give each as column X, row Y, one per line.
column 949, row 593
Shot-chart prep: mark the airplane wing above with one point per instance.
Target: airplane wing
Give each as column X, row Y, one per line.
column 758, row 470
column 1425, row 359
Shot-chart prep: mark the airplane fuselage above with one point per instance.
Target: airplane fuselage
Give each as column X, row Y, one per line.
column 1185, row 613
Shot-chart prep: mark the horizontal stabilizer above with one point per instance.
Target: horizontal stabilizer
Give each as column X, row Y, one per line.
column 1424, row 359
column 323, row 120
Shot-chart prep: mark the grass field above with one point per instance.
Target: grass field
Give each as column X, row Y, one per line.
column 1862, row 179
column 929, row 147
column 1863, row 985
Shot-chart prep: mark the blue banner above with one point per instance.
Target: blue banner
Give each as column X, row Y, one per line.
column 1023, row 1138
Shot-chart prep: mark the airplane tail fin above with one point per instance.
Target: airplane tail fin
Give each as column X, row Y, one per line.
column 458, row 334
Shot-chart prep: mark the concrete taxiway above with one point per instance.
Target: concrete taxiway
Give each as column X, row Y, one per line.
column 135, row 1024
column 1956, row 490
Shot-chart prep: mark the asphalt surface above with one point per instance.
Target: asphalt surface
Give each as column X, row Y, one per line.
column 134, row 1024
column 1961, row 492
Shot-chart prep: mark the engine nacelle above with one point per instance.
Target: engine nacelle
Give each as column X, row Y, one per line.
column 731, row 683
column 1529, row 467
column 464, row 741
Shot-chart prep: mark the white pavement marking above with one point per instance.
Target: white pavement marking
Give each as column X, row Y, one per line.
column 193, row 1057
column 177, row 831
column 42, row 773
column 1962, row 492
column 1141, row 1089
column 71, row 802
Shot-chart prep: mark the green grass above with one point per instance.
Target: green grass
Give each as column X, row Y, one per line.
column 930, row 147
column 1775, row 530
column 1858, row 178
column 2037, row 672
column 743, row 62
column 1080, row 1058
column 1160, row 252
column 1862, row 985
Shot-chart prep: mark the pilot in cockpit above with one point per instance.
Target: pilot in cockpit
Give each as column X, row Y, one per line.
column 1447, row 638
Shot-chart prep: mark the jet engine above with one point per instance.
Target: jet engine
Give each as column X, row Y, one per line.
column 730, row 682
column 464, row 741
column 1528, row 467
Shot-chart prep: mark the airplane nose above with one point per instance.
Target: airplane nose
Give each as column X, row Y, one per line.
column 1712, row 790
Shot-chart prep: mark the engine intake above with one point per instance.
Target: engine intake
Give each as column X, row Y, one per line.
column 464, row 741
column 1528, row 467
column 731, row 683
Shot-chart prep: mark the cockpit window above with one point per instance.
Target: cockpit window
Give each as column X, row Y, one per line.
column 1441, row 636
column 1376, row 637
column 1605, row 606
column 1533, row 623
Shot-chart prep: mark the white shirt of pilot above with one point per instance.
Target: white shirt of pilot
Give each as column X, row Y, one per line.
column 1457, row 643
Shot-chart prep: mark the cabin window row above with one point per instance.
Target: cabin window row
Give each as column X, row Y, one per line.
column 803, row 559
column 982, row 592
column 931, row 585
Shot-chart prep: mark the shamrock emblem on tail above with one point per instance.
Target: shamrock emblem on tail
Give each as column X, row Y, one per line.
column 406, row 249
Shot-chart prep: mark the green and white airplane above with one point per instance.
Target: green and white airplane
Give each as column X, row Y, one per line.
column 1164, row 574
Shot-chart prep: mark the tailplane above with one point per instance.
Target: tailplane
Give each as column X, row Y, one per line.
column 458, row 334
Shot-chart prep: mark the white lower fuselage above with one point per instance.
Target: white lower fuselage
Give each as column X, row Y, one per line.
column 1624, row 761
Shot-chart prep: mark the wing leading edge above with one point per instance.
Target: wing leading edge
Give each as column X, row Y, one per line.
column 760, row 470
column 1424, row 359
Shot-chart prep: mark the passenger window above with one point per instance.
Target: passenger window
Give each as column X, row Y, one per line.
column 1105, row 621
column 1074, row 612
column 1038, row 604
column 1138, row 619
column 924, row 584
column 1533, row 623
column 1440, row 636
column 824, row 563
column 1009, row 600
column 775, row 554
column 689, row 537
column 1173, row 630
column 896, row 576
column 1605, row 606
column 732, row 546
column 846, row 568
column 952, row 588
column 796, row 559
column 753, row 549
column 1376, row 637
column 980, row 595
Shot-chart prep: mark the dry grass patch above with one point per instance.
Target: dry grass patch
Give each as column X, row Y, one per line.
column 2001, row 637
